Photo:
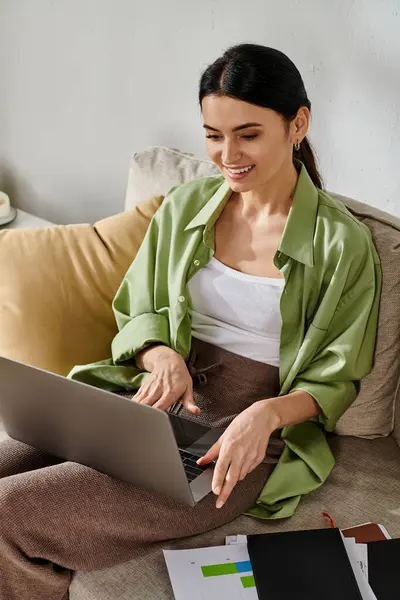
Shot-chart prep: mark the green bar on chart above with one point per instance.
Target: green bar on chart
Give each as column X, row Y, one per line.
column 215, row 570
column 248, row 581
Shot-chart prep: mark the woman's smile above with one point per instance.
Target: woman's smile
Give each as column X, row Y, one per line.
column 239, row 173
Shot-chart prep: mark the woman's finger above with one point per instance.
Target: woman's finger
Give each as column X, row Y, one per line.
column 247, row 467
column 144, row 389
column 255, row 464
column 250, row 464
column 152, row 394
column 188, row 402
column 141, row 391
column 231, row 480
column 166, row 400
column 211, row 454
column 221, row 470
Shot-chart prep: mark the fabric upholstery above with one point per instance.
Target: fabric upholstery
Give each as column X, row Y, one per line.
column 57, row 285
column 364, row 486
column 3, row 434
column 373, row 411
column 157, row 169
column 396, row 432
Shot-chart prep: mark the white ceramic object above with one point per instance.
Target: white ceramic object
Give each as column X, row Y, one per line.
column 5, row 207
column 9, row 218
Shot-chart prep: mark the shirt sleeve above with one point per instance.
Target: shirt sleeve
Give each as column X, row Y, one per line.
column 138, row 320
column 346, row 352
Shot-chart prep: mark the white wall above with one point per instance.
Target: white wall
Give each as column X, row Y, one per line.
column 84, row 83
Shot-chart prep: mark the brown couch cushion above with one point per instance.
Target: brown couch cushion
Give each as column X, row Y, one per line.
column 57, row 285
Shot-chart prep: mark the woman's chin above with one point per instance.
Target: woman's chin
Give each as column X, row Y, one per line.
column 239, row 186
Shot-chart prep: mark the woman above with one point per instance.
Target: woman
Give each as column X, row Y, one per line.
column 252, row 304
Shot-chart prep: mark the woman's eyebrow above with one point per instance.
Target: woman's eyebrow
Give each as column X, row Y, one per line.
column 244, row 126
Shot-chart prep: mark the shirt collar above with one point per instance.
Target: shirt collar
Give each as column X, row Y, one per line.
column 298, row 236
column 297, row 240
column 213, row 207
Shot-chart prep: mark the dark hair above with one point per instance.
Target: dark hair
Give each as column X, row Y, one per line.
column 266, row 77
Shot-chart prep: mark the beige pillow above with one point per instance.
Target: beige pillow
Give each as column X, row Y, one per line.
column 57, row 286
column 156, row 170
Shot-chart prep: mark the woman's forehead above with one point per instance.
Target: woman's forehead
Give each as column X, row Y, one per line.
column 227, row 112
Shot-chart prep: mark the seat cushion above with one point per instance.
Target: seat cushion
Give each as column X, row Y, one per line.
column 364, row 486
column 57, row 286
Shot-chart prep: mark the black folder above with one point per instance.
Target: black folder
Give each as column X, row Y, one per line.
column 313, row 565
column 309, row 565
column 384, row 568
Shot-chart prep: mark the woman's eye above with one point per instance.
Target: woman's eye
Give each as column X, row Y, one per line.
column 211, row 136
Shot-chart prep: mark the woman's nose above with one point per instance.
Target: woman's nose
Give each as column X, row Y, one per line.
column 230, row 154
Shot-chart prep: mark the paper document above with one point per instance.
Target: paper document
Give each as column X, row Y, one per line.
column 363, row 560
column 211, row 573
column 235, row 539
column 359, row 564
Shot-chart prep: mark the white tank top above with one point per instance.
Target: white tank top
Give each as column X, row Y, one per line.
column 237, row 312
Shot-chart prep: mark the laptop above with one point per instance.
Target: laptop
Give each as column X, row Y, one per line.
column 139, row 444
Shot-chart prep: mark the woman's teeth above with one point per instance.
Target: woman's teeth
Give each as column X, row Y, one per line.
column 244, row 170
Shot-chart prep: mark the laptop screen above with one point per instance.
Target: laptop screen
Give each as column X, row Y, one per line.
column 193, row 437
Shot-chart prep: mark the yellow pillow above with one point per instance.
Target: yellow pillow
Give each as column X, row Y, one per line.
column 57, row 286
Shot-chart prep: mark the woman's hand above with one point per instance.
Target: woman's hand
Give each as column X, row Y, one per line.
column 241, row 448
column 168, row 382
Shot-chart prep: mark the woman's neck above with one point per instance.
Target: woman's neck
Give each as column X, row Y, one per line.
column 274, row 198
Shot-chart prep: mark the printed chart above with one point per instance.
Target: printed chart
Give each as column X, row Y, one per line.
column 211, row 573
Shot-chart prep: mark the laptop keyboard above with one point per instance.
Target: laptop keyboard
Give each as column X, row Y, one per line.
column 192, row 469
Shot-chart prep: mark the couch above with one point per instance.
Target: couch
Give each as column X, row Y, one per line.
column 56, row 287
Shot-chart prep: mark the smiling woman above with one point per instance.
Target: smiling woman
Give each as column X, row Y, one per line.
column 240, row 84
column 251, row 305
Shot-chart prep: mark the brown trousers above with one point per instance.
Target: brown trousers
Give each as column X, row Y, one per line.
column 58, row 517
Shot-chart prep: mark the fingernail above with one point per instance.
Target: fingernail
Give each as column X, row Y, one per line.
column 219, row 504
column 217, row 490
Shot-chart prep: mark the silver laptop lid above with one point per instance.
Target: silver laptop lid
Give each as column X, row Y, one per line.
column 80, row 423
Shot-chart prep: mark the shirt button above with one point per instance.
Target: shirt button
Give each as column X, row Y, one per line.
column 196, row 263
column 181, row 299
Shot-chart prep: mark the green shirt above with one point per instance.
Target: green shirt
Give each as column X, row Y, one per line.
column 329, row 308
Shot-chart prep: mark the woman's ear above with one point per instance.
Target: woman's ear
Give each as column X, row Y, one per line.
column 300, row 124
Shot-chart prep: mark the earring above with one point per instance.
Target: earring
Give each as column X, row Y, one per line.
column 297, row 146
